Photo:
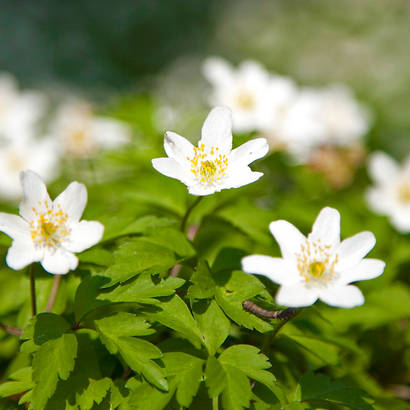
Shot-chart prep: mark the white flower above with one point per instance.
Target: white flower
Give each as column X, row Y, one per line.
column 40, row 156
column 82, row 134
column 49, row 231
column 213, row 165
column 329, row 116
column 19, row 111
column 391, row 194
column 319, row 266
column 245, row 90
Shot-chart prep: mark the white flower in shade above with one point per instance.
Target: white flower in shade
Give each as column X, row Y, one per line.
column 391, row 194
column 329, row 116
column 319, row 266
column 48, row 231
column 40, row 156
column 245, row 90
column 19, row 111
column 82, row 134
column 213, row 165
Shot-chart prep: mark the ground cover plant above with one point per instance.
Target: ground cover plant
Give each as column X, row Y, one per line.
column 260, row 262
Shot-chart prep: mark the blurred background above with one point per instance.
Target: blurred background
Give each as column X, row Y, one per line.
column 97, row 46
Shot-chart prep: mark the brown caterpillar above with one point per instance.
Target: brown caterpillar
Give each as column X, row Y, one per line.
column 284, row 314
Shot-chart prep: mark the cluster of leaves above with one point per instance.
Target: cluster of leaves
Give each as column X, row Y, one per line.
column 126, row 333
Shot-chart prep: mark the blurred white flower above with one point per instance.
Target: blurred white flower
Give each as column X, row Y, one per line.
column 213, row 165
column 245, row 90
column 391, row 194
column 319, row 266
column 318, row 117
column 49, row 231
column 82, row 134
column 41, row 156
column 19, row 111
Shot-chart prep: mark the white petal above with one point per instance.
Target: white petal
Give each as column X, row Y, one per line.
column 352, row 250
column 366, row 269
column 217, row 130
column 382, row 168
column 83, row 235
column 14, row 226
column 249, row 152
column 273, row 268
column 59, row 261
column 379, row 200
column 288, row 237
column 177, row 147
column 35, row 194
column 342, row 296
column 202, row 190
column 217, row 71
column 400, row 219
column 22, row 253
column 170, row 168
column 296, row 295
column 240, row 176
column 72, row 201
column 327, row 227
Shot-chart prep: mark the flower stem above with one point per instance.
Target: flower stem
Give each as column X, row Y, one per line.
column 33, row 291
column 215, row 403
column 188, row 212
column 53, row 294
column 15, row 331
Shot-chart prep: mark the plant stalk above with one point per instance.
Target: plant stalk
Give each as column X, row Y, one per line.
column 53, row 294
column 33, row 291
column 188, row 212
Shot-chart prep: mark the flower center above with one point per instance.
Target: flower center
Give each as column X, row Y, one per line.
column 245, row 100
column 49, row 226
column 316, row 262
column 207, row 165
column 317, row 269
column 404, row 192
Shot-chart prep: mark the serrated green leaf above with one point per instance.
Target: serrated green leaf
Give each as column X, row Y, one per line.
column 175, row 314
column 94, row 393
column 137, row 255
column 319, row 387
column 97, row 256
column 115, row 333
column 187, row 371
column 44, row 327
column 203, row 284
column 55, row 359
column 86, row 296
column 213, row 324
column 215, row 377
column 143, row 289
column 232, row 290
column 21, row 382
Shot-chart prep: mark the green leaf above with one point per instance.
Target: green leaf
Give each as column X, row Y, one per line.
column 86, row 296
column 55, row 359
column 97, row 256
column 143, row 289
column 203, row 284
column 319, row 387
column 116, row 334
column 187, row 371
column 94, row 393
column 175, row 314
column 22, row 382
column 137, row 255
column 212, row 323
column 235, row 288
column 228, row 375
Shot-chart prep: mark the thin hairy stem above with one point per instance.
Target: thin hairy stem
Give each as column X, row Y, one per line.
column 188, row 212
column 285, row 314
column 32, row 291
column 53, row 294
column 15, row 331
